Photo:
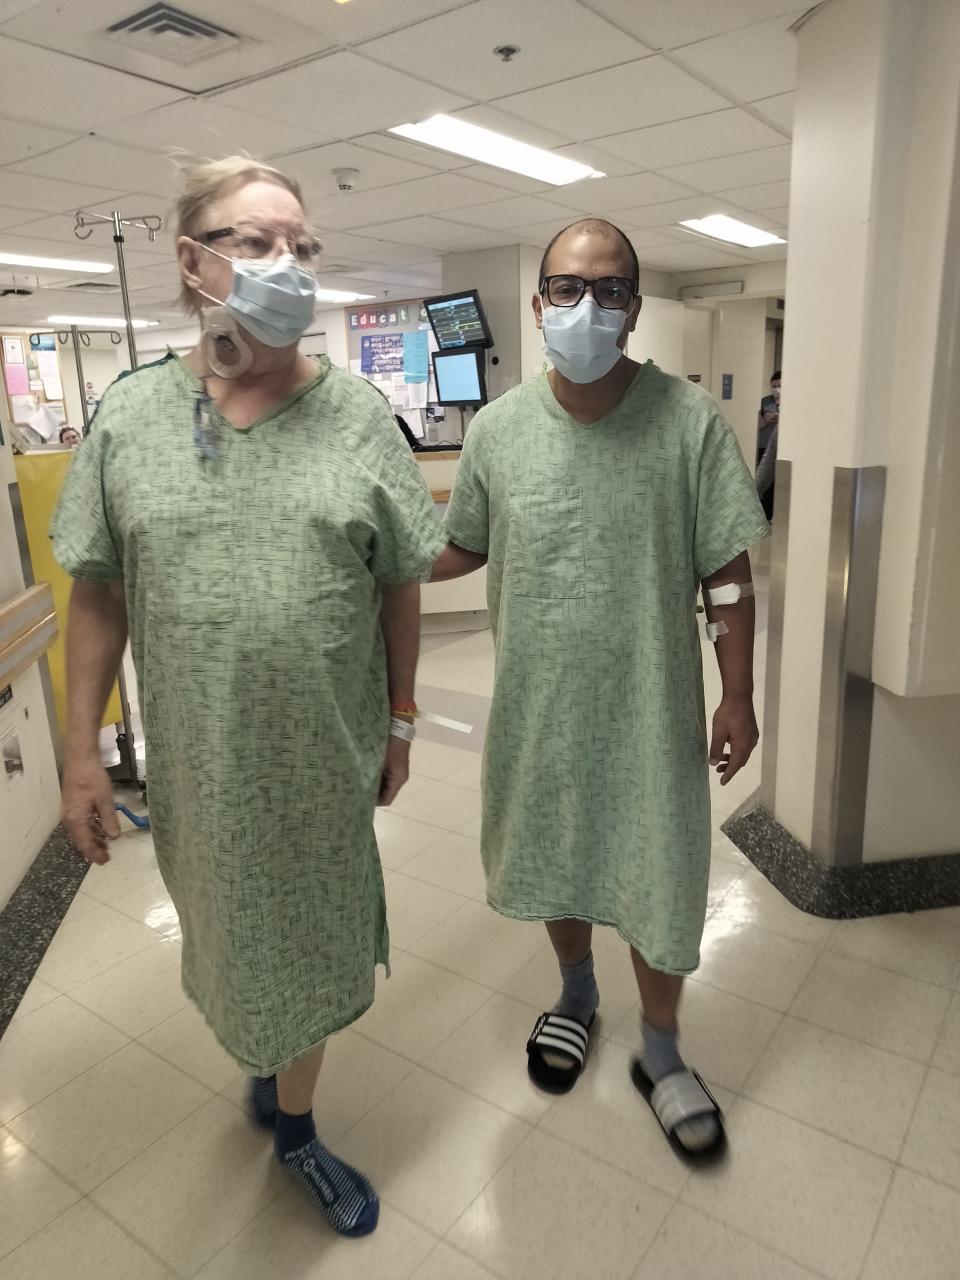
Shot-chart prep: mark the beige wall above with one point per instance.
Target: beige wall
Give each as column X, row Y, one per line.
column 739, row 329
column 698, row 343
column 659, row 335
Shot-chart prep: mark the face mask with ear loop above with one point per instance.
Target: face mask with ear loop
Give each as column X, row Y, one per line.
column 582, row 341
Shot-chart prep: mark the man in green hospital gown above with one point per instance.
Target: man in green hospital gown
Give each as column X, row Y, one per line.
column 602, row 495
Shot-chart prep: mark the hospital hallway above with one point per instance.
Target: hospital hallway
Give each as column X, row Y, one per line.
column 832, row 1046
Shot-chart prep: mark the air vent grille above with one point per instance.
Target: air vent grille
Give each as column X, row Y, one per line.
column 173, row 35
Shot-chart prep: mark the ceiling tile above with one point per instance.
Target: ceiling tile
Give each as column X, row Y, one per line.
column 438, row 234
column 27, row 191
column 350, row 24
column 606, row 195
column 571, row 41
column 506, row 180
column 342, row 95
column 53, row 89
column 109, row 164
column 721, row 133
column 604, row 162
column 673, row 211
column 19, row 141
column 14, row 217
column 770, row 164
column 435, row 194
column 683, row 21
column 491, row 117
column 752, row 63
column 779, row 109
column 687, row 258
column 765, row 196
column 641, row 93
column 541, row 233
column 209, row 129
column 389, row 144
column 779, row 216
column 314, row 169
column 512, row 212
column 373, row 249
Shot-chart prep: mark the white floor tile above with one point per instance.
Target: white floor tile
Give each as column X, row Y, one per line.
column 150, row 905
column 419, row 1006
column 691, row 1246
column 186, row 1042
column 437, row 761
column 290, row 1239
column 480, row 944
column 947, row 1053
column 721, row 1035
column 132, row 864
column 752, row 963
column 446, row 1263
column 82, row 949
column 429, row 1148
column 919, row 1232
column 605, row 1116
column 538, row 983
column 196, row 1188
column 554, row 1211
column 452, row 863
column 723, row 877
column 933, row 1143
column 846, row 1088
column 927, row 950
column 795, row 1190
column 401, row 839
column 874, row 1005
column 469, row 774
column 81, row 905
column 82, row 1244
column 722, row 847
column 413, row 907
column 45, row 1050
column 35, row 997
column 753, row 900
column 137, row 993
column 356, row 1075
column 441, row 805
column 487, row 1056
column 94, row 1125
column 31, row 1194
column 473, row 828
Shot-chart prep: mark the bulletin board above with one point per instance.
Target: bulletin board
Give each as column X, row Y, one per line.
column 390, row 344
column 31, row 376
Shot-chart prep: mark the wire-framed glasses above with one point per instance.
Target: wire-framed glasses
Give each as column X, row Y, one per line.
column 255, row 241
column 614, row 293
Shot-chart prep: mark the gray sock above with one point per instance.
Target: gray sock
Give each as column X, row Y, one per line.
column 579, row 997
column 661, row 1057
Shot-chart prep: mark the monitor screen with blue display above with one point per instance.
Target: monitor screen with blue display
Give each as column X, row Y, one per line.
column 459, row 377
column 458, row 320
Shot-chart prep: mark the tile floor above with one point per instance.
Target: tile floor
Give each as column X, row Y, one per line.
column 835, row 1048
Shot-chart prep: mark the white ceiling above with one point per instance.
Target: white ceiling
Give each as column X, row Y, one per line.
column 685, row 105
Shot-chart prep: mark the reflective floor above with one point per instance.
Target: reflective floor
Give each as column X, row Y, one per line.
column 835, row 1048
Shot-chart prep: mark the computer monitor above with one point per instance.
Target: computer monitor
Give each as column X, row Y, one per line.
column 459, row 377
column 458, row 320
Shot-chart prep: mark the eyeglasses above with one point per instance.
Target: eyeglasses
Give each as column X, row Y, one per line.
column 255, row 242
column 613, row 293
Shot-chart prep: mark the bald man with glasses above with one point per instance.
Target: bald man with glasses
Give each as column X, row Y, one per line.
column 602, row 495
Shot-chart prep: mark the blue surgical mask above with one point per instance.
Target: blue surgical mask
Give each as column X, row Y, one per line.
column 273, row 299
column 581, row 341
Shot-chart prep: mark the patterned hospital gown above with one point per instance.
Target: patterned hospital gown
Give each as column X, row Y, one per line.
column 596, row 787
column 253, row 597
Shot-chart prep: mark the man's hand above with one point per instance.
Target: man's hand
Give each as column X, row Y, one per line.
column 88, row 811
column 396, row 770
column 734, row 725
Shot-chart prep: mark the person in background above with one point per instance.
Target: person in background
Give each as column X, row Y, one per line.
column 275, row 642
column 602, row 495
column 69, row 436
column 768, row 422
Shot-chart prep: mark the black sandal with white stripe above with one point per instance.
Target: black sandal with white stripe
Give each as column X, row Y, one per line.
column 563, row 1038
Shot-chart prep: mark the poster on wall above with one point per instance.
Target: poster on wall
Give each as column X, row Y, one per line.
column 381, row 353
column 13, row 350
column 17, row 379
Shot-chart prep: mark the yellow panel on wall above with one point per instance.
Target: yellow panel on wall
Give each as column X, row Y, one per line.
column 40, row 477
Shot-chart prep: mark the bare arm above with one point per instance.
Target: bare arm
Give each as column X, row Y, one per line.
column 400, row 622
column 734, row 722
column 96, row 635
column 456, row 562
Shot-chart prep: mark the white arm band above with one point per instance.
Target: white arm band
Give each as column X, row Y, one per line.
column 715, row 630
column 402, row 729
column 730, row 593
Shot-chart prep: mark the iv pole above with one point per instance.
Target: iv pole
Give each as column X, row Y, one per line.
column 126, row 770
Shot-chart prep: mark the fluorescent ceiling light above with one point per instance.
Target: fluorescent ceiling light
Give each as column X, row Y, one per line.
column 100, row 322
column 450, row 134
column 55, row 264
column 718, row 226
column 343, row 295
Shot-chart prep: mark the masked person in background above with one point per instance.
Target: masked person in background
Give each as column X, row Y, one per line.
column 602, row 495
column 256, row 521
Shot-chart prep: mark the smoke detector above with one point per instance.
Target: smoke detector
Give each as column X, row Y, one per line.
column 173, row 35
column 346, row 179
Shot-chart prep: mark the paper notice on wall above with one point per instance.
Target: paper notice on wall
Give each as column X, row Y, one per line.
column 414, row 421
column 17, row 379
column 48, row 365
column 356, row 367
column 23, row 408
column 417, row 394
column 52, row 389
column 13, row 350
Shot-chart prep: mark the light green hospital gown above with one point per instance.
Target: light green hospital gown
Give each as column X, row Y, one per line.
column 596, row 784
column 253, row 595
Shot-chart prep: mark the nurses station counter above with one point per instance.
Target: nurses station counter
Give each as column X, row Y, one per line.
column 460, row 605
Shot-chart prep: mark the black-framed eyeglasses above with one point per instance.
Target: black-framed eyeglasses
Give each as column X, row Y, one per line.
column 613, row 293
column 254, row 241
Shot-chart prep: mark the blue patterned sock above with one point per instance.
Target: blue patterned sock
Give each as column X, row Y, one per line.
column 262, row 1101
column 342, row 1194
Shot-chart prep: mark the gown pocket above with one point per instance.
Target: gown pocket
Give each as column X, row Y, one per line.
column 547, row 551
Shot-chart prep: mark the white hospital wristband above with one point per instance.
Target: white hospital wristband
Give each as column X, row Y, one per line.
column 403, row 729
